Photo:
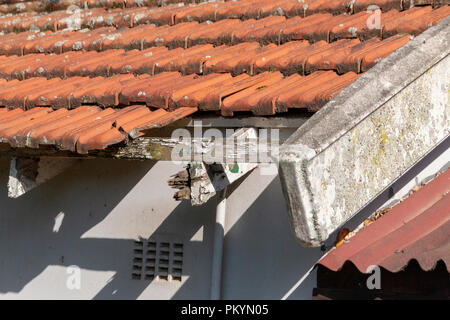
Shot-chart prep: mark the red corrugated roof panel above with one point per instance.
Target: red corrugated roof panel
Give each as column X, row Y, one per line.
column 82, row 129
column 417, row 228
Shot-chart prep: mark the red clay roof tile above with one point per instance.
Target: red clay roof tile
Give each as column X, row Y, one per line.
column 293, row 56
column 416, row 228
column 45, row 133
column 380, row 51
column 161, row 121
column 82, row 129
column 333, row 6
column 415, row 20
column 384, row 5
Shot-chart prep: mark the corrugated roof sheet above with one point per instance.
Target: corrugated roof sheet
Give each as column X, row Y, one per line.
column 417, row 228
column 261, row 56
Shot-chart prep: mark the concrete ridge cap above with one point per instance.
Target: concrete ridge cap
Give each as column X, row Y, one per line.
column 297, row 192
column 374, row 88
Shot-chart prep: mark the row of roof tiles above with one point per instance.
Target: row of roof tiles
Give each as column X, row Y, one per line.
column 82, row 129
column 177, row 13
column 263, row 94
column 274, row 29
column 172, row 14
column 17, row 6
column 289, row 58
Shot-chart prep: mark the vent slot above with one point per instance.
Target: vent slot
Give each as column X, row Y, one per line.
column 157, row 260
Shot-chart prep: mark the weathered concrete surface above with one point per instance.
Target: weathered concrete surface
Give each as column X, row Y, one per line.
column 368, row 136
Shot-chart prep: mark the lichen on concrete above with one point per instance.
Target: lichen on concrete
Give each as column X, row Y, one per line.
column 365, row 160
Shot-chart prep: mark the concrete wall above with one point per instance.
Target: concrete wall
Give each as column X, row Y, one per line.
column 368, row 136
column 91, row 214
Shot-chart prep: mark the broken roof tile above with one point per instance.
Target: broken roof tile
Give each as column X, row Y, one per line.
column 82, row 129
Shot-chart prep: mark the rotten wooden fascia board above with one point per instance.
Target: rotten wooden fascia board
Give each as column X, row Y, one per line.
column 250, row 150
column 208, row 180
column 201, row 181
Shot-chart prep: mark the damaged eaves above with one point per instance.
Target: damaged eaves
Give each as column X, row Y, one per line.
column 200, row 181
column 275, row 59
column 207, row 177
column 158, row 143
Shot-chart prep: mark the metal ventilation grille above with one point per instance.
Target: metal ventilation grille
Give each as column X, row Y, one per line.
column 161, row 260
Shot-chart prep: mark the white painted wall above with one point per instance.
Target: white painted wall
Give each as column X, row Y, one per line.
column 89, row 216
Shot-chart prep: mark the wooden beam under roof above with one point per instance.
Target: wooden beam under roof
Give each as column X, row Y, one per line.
column 159, row 144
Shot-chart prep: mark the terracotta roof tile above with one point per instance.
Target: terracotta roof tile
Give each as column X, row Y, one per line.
column 210, row 11
column 384, row 5
column 226, row 58
column 313, row 91
column 137, row 91
column 82, row 129
column 320, row 58
column 242, row 100
column 415, row 20
column 213, row 98
column 372, row 54
column 16, row 6
column 22, row 7
column 333, row 6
